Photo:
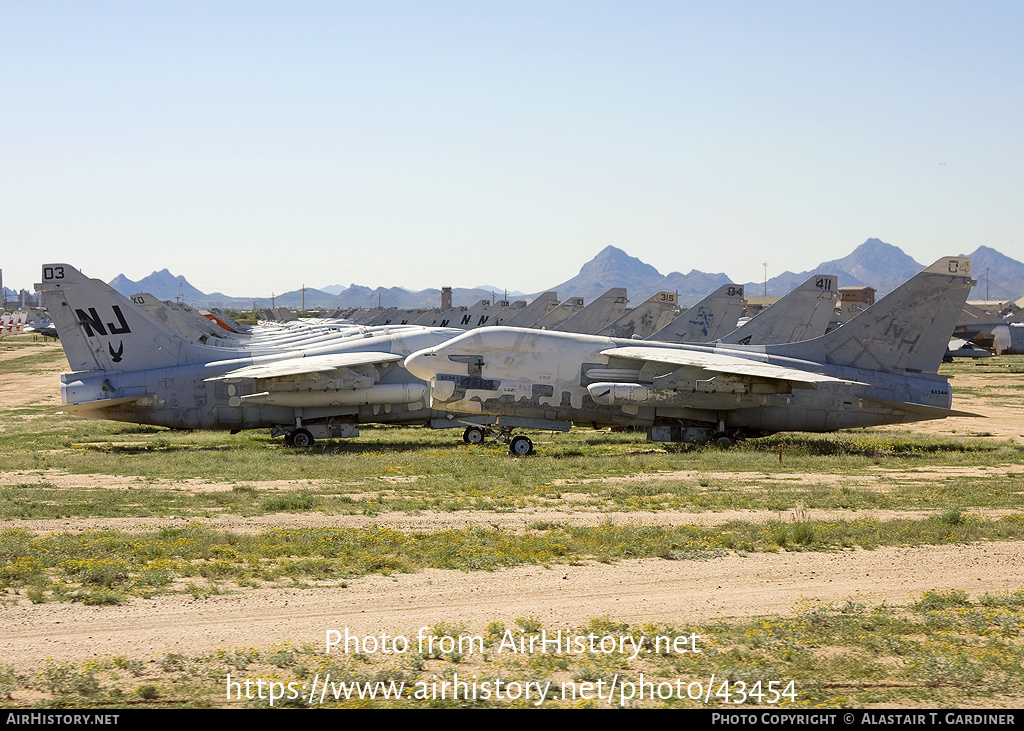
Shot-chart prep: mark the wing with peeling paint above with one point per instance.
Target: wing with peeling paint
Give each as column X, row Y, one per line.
column 722, row 363
column 308, row 365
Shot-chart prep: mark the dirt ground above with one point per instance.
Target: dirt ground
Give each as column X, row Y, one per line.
column 648, row 590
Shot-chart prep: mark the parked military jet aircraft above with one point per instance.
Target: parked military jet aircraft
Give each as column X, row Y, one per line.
column 879, row 368
column 129, row 365
column 12, row 323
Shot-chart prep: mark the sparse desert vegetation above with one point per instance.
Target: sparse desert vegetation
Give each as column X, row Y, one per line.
column 110, row 524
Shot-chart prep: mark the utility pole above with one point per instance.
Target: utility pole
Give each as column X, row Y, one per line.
column 765, row 279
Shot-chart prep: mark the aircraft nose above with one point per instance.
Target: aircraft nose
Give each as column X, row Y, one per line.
column 422, row 364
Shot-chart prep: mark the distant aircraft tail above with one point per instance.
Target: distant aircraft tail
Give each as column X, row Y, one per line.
column 101, row 329
column 607, row 308
column 708, row 320
column 12, row 323
column 540, row 306
column 905, row 331
column 802, row 314
column 646, row 318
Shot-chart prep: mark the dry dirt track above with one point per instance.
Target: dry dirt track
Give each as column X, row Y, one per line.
column 634, row 591
column 649, row 590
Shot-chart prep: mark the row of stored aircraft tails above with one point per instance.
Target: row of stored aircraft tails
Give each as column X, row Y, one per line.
column 684, row 377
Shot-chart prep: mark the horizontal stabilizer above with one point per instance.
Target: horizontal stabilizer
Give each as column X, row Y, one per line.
column 926, row 412
column 91, row 407
column 721, row 363
column 308, row 365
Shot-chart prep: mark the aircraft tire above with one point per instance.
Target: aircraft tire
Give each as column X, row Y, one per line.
column 301, row 438
column 723, row 440
column 520, row 446
column 473, row 435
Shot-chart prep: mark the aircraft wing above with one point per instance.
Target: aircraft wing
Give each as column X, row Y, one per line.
column 308, row 365
column 722, row 363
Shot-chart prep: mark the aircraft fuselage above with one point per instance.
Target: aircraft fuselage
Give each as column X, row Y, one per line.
column 563, row 377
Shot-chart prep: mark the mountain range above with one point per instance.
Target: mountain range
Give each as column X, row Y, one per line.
column 874, row 263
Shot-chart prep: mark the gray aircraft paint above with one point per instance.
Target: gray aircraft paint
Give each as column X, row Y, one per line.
column 128, row 365
column 557, row 315
column 643, row 321
column 879, row 368
column 607, row 308
column 539, row 307
column 802, row 314
column 708, row 320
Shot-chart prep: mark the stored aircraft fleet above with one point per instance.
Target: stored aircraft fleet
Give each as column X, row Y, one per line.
column 693, row 376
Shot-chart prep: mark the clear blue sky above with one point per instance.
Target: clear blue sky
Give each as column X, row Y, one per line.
column 259, row 146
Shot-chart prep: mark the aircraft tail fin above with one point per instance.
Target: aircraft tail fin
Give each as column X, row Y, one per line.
column 802, row 314
column 101, row 329
column 607, row 308
column 907, row 330
column 641, row 321
column 540, row 306
column 708, row 320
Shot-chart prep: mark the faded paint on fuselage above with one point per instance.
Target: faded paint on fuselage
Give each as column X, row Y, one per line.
column 497, row 371
column 183, row 397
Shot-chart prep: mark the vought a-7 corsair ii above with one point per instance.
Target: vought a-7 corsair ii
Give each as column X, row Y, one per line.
column 878, row 368
column 130, row 365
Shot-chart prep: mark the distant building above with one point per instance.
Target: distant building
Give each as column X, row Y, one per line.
column 756, row 304
column 863, row 295
column 854, row 300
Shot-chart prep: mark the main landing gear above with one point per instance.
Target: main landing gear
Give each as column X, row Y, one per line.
column 299, row 438
column 723, row 440
column 296, row 437
column 474, row 435
column 518, row 446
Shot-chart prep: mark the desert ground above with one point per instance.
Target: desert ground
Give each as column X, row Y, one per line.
column 648, row 590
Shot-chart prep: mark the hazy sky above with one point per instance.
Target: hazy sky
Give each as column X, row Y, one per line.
column 258, row 146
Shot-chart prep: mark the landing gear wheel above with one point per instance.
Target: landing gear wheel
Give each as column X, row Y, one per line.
column 300, row 438
column 520, row 446
column 723, row 440
column 473, row 435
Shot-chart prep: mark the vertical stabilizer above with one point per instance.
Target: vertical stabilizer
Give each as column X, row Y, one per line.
column 649, row 317
column 907, row 330
column 802, row 314
column 708, row 320
column 607, row 308
column 101, row 329
column 541, row 305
